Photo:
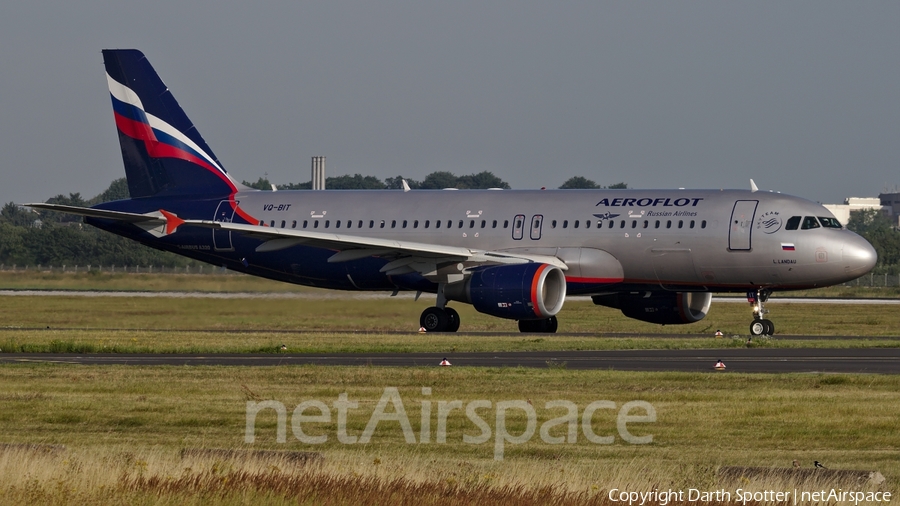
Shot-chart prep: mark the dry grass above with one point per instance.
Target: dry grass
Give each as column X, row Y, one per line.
column 125, row 427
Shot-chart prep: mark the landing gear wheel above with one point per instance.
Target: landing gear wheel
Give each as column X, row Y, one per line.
column 453, row 317
column 551, row 325
column 770, row 327
column 757, row 328
column 547, row 325
column 435, row 319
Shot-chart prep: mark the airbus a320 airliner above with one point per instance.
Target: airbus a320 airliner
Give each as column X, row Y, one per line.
column 657, row 255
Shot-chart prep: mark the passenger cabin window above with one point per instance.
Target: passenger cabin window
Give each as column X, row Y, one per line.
column 809, row 222
column 282, row 223
column 294, row 224
column 337, row 224
column 505, row 223
column 793, row 223
column 565, row 223
column 272, row 223
column 830, row 222
column 576, row 223
column 404, row 223
column 703, row 224
column 327, row 223
column 305, row 223
column 461, row 223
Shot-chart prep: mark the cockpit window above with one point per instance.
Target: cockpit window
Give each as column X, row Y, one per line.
column 829, row 222
column 793, row 223
column 809, row 222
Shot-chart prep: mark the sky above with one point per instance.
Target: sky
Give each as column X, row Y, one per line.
column 800, row 96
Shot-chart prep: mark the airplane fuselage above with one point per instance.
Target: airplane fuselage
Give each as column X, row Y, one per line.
column 684, row 240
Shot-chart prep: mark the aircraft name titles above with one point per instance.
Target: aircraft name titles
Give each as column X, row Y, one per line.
column 648, row 202
column 671, row 213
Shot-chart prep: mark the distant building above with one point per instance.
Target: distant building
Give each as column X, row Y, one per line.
column 891, row 202
column 851, row 204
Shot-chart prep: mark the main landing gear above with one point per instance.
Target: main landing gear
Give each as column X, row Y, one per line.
column 436, row 319
column 760, row 326
column 440, row 318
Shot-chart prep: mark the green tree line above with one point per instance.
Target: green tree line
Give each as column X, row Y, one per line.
column 434, row 181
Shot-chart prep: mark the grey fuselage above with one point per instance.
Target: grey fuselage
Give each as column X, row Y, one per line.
column 612, row 240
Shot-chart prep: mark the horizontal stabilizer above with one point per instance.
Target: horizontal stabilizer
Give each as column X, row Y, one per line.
column 99, row 213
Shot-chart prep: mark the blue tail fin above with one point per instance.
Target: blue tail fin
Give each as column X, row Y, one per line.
column 163, row 153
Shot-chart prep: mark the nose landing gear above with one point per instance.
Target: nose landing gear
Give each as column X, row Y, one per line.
column 761, row 325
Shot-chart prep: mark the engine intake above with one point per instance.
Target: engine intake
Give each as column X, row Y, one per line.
column 664, row 308
column 518, row 292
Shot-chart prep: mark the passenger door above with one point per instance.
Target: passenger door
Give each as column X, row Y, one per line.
column 741, row 225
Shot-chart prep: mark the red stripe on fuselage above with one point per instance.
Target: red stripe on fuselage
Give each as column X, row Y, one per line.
column 593, row 281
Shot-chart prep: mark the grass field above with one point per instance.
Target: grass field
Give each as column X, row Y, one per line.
column 124, row 428
column 307, row 325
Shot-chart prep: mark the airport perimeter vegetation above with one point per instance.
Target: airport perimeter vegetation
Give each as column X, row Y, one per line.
column 124, row 427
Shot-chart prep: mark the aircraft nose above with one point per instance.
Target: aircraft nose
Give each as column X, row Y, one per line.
column 859, row 256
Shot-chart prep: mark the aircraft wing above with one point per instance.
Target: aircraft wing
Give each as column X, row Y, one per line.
column 408, row 256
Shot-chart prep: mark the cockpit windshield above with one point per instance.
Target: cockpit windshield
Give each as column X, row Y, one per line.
column 830, row 222
column 809, row 222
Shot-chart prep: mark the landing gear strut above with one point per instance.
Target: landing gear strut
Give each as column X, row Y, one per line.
column 440, row 318
column 760, row 326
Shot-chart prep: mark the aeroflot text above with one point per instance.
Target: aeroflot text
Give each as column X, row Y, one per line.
column 663, row 202
column 566, row 426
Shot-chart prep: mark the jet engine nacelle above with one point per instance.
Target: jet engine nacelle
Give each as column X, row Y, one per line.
column 664, row 308
column 519, row 292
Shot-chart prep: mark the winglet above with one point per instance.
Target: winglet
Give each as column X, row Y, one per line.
column 172, row 221
column 405, row 185
column 753, row 187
